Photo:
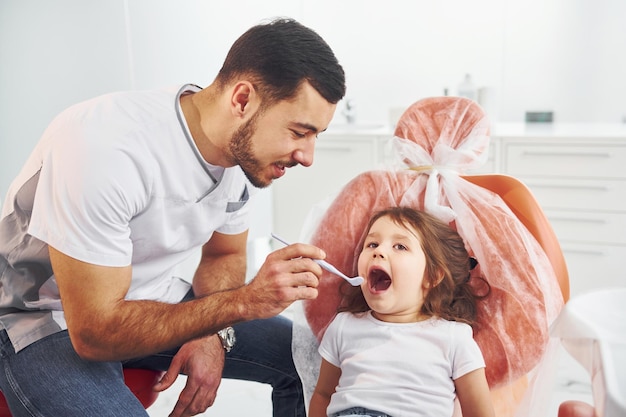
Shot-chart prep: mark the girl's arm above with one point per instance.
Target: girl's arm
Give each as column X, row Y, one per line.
column 326, row 384
column 472, row 391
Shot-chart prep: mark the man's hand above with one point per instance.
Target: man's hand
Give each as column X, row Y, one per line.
column 202, row 360
column 287, row 275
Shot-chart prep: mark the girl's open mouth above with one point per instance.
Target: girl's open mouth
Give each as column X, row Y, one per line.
column 378, row 280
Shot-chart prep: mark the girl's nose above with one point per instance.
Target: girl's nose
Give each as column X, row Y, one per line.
column 378, row 253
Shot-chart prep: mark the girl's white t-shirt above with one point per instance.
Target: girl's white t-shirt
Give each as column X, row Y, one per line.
column 401, row 369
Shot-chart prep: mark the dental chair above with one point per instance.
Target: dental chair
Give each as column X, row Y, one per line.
column 139, row 381
column 436, row 141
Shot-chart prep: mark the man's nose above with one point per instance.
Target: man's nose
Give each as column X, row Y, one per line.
column 304, row 155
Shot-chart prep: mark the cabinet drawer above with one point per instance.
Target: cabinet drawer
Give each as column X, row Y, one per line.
column 336, row 162
column 592, row 267
column 565, row 160
column 568, row 194
column 589, row 227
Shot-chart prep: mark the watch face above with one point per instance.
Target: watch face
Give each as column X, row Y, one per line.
column 228, row 338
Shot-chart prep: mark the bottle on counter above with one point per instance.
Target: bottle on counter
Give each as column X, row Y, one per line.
column 467, row 88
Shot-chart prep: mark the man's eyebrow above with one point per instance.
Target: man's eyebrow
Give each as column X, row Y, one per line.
column 308, row 126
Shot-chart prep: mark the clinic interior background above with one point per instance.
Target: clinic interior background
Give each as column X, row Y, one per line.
column 566, row 56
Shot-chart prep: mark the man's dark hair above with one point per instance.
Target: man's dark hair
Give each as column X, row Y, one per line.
column 279, row 56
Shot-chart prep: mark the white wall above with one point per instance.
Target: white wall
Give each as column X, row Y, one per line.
column 561, row 55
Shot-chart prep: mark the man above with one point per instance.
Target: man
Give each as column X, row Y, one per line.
column 123, row 188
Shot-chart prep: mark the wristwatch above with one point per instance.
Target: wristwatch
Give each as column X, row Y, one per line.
column 227, row 336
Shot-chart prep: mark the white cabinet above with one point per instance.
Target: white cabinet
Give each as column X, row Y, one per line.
column 339, row 157
column 579, row 178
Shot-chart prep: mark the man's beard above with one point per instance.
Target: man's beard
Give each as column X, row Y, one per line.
column 241, row 150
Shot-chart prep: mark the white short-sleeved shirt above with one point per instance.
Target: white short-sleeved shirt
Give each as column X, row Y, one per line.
column 114, row 181
column 401, row 369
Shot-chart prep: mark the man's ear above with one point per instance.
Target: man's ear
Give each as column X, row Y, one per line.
column 244, row 99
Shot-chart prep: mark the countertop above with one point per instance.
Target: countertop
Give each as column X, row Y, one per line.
column 560, row 130
column 504, row 129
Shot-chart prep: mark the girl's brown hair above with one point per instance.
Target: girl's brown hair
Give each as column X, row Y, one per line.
column 450, row 292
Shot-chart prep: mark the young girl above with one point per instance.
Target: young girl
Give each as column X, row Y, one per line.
column 402, row 344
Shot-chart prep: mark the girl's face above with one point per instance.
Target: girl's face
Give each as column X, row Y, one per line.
column 393, row 263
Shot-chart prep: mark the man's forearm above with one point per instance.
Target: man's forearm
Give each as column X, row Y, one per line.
column 155, row 326
column 219, row 274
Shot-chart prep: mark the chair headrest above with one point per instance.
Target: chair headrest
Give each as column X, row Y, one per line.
column 435, row 119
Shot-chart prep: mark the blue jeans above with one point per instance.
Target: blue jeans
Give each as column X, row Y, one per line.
column 48, row 378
